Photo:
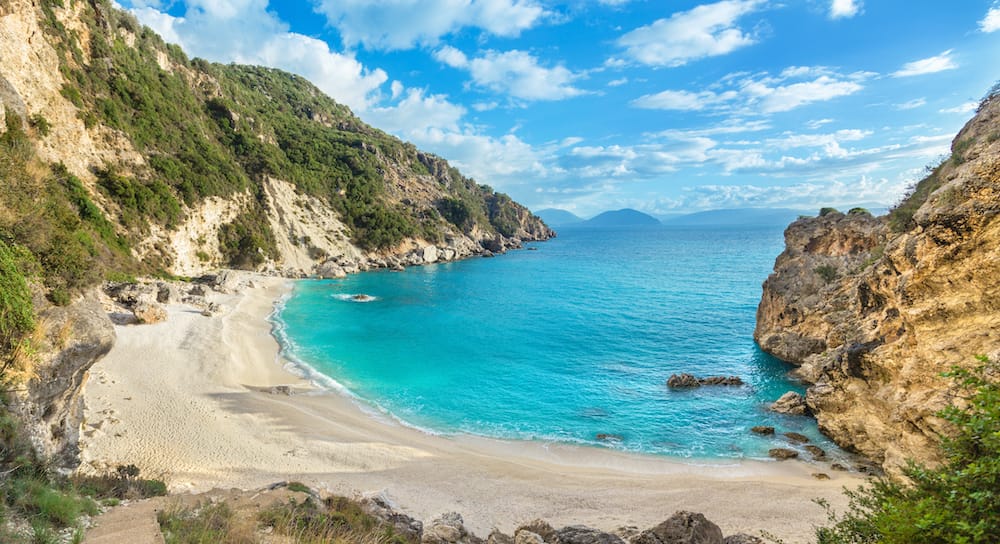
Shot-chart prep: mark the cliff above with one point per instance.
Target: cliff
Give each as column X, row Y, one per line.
column 873, row 310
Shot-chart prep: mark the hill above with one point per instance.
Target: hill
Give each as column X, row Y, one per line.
column 557, row 218
column 622, row 218
column 737, row 217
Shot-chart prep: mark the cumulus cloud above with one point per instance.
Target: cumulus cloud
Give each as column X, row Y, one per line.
column 515, row 73
column 844, row 9
column 403, row 24
column 705, row 31
column 991, row 22
column 930, row 65
column 244, row 31
column 762, row 93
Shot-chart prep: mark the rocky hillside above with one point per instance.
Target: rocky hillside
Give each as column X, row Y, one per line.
column 873, row 310
column 183, row 166
column 120, row 157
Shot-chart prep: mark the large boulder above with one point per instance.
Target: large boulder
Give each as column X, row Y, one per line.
column 429, row 254
column 579, row 534
column 448, row 529
column 790, row 403
column 149, row 312
column 682, row 528
column 540, row 527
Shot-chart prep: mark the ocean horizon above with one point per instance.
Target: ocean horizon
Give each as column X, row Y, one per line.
column 570, row 341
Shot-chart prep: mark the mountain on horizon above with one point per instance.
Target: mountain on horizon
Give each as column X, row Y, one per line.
column 626, row 217
column 555, row 217
column 737, row 217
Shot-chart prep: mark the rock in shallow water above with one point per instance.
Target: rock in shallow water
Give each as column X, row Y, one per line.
column 762, row 429
column 782, row 453
column 790, row 403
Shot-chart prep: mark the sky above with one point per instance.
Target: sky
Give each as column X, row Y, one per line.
column 665, row 106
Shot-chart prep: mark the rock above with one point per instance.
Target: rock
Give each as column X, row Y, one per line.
column 448, row 529
column 197, row 290
column 149, row 312
column 685, row 381
column 211, row 309
column 579, row 534
column 331, row 269
column 820, row 476
column 682, row 528
column 762, row 429
column 524, row 536
column 790, row 403
column 281, row 390
column 429, row 254
column 380, row 507
column 627, row 532
column 50, row 407
column 609, row 437
column 721, row 380
column 817, row 452
column 496, row 537
column 742, row 538
column 539, row 527
column 782, row 453
column 797, row 437
column 838, row 467
column 164, row 293
column 682, row 381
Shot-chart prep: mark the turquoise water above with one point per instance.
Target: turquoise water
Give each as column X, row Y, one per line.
column 563, row 343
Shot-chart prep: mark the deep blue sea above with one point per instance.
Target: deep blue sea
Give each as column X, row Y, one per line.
column 562, row 343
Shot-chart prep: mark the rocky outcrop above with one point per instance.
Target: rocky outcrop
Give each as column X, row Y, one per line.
column 687, row 381
column 790, row 403
column 873, row 310
column 50, row 406
column 682, row 528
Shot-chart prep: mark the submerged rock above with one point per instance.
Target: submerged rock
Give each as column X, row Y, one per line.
column 817, row 452
column 797, row 437
column 762, row 429
column 686, row 381
column 782, row 453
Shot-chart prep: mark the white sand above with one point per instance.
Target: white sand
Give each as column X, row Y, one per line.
column 182, row 400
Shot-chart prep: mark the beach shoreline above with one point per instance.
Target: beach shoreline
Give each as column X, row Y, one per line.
column 201, row 402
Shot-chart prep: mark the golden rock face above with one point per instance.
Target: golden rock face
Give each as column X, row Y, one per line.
column 872, row 312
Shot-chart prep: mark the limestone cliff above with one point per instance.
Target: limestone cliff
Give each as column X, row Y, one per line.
column 200, row 166
column 873, row 310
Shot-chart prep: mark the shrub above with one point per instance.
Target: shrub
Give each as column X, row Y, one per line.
column 827, row 211
column 41, row 124
column 827, row 272
column 858, row 211
column 956, row 502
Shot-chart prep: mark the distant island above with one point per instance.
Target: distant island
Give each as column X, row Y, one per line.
column 555, row 217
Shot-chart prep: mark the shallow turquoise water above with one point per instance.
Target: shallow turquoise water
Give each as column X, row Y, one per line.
column 564, row 343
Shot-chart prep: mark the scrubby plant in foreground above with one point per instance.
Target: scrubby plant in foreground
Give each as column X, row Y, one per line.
column 957, row 502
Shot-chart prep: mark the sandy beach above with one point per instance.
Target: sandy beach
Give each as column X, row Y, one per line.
column 191, row 400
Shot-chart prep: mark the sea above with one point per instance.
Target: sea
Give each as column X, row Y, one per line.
column 567, row 341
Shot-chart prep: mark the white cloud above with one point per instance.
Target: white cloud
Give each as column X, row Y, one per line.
column 760, row 93
column 618, row 82
column 860, row 190
column 991, row 22
column 515, row 73
column 967, row 107
column 705, row 31
column 403, row 24
column 244, row 31
column 417, row 113
column 911, row 104
column 817, row 123
column 844, row 9
column 930, row 65
column 451, row 56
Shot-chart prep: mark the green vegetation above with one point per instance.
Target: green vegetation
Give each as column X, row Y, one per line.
column 901, row 215
column 957, row 502
column 827, row 272
column 858, row 211
column 827, row 211
column 335, row 519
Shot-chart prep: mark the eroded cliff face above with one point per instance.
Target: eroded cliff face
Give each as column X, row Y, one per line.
column 873, row 310
column 50, row 405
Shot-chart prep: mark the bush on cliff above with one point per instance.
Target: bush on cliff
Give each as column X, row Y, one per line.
column 958, row 502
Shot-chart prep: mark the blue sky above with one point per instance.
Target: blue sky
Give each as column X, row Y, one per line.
column 663, row 106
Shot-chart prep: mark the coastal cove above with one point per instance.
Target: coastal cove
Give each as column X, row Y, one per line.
column 196, row 400
column 569, row 342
